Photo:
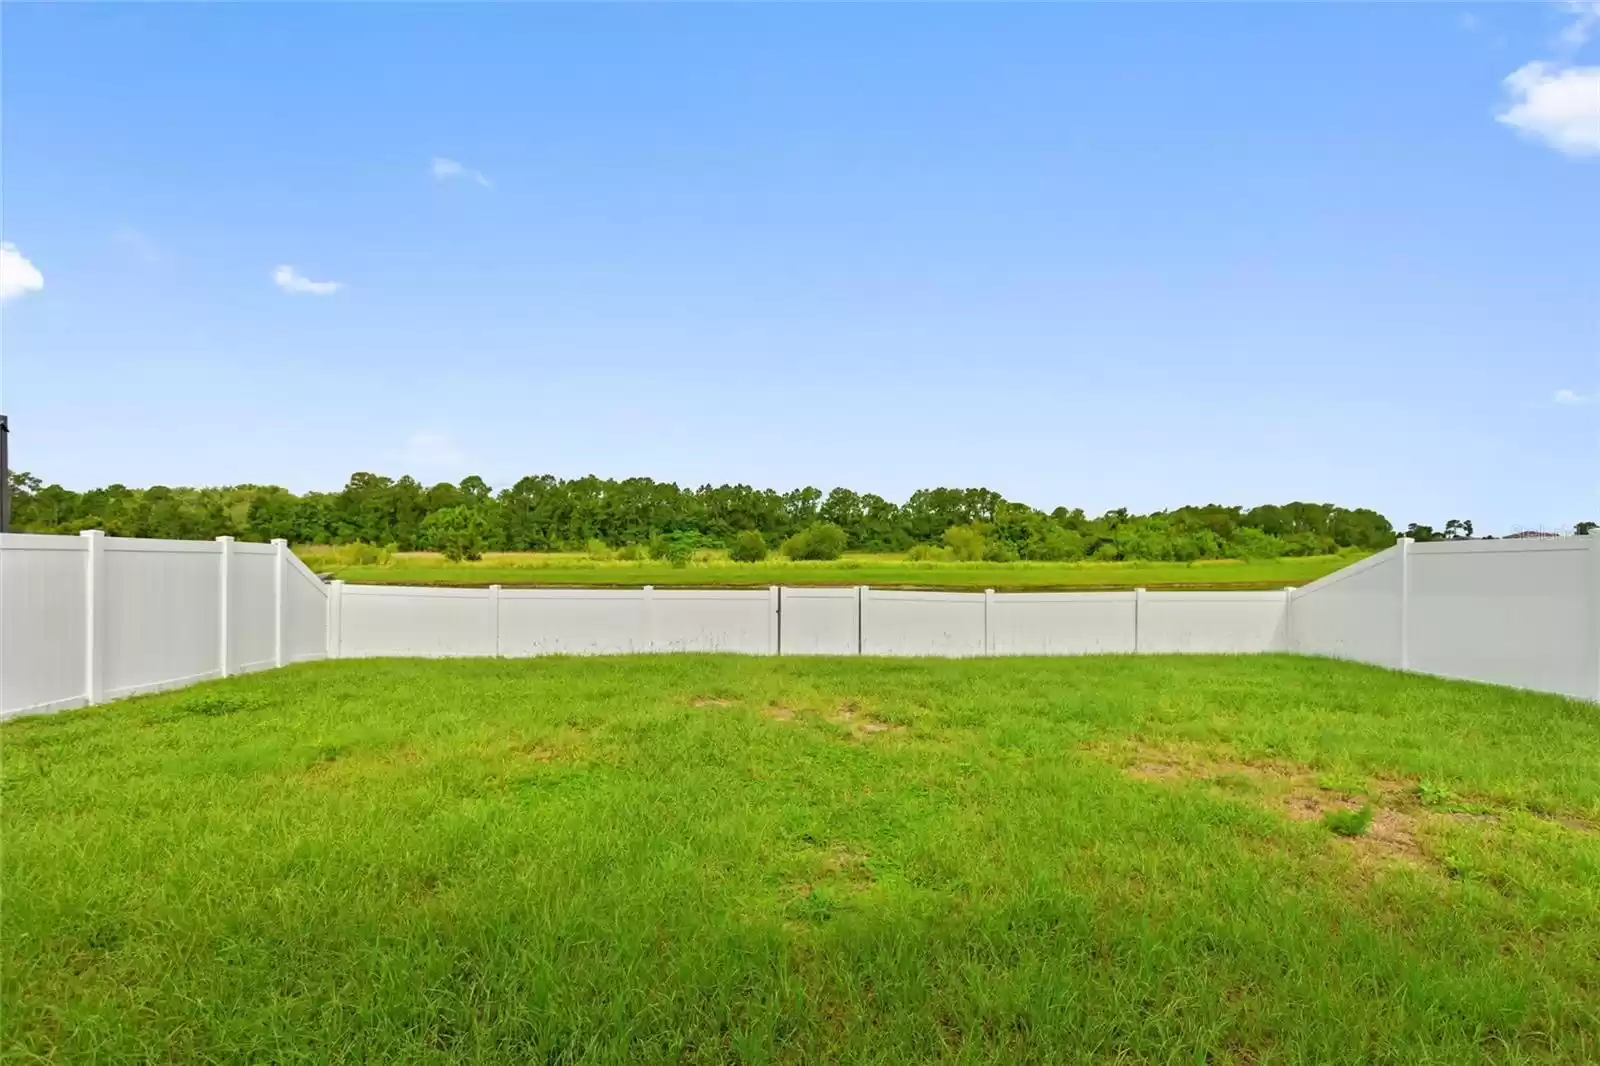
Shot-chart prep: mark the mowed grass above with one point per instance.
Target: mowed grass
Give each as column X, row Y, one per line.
column 714, row 570
column 715, row 859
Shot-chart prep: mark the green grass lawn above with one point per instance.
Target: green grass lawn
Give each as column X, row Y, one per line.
column 881, row 571
column 715, row 859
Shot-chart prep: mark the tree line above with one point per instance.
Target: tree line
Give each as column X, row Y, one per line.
column 546, row 513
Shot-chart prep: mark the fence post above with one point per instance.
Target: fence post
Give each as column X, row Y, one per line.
column 988, row 616
column 335, row 617
column 1138, row 609
column 1594, row 604
column 94, row 594
column 863, row 594
column 280, row 548
column 774, row 620
column 1404, row 544
column 648, row 607
column 225, row 549
column 494, row 617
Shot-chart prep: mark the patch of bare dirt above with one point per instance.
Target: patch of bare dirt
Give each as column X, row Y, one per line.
column 778, row 712
column 1155, row 771
column 859, row 722
column 1291, row 789
column 711, row 701
column 1392, row 833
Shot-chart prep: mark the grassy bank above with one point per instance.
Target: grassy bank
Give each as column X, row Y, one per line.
column 881, row 571
column 718, row 859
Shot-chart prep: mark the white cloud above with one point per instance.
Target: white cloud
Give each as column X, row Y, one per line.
column 1585, row 17
column 17, row 275
column 1559, row 105
column 1468, row 21
column 290, row 280
column 444, row 169
column 430, row 449
column 1569, row 398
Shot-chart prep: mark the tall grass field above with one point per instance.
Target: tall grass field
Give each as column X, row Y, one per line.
column 703, row 859
column 712, row 569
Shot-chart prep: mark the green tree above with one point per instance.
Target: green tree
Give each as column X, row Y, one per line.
column 457, row 532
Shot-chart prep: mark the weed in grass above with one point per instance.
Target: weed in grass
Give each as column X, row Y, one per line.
column 1430, row 794
column 213, row 703
column 1348, row 823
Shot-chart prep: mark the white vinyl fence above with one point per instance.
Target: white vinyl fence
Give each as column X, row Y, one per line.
column 367, row 620
column 1524, row 613
column 84, row 619
column 91, row 618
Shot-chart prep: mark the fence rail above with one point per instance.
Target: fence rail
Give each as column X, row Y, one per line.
column 89, row 618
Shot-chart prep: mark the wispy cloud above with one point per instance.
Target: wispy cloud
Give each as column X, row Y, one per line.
column 1556, row 101
column 444, row 169
column 1570, row 398
column 1585, row 18
column 291, row 280
column 17, row 274
column 1468, row 21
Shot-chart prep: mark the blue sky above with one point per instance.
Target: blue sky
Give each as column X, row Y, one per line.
column 1087, row 255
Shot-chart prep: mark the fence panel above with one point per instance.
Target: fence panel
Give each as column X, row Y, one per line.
column 1354, row 613
column 732, row 620
column 1519, row 613
column 429, row 622
column 43, row 615
column 159, row 620
column 1202, row 622
column 820, row 621
column 252, row 607
column 1061, row 623
column 922, row 623
column 573, row 621
column 305, row 613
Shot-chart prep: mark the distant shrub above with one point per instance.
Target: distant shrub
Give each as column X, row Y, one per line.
column 630, row 553
column 1349, row 823
column 1000, row 551
column 457, row 533
column 1248, row 543
column 675, row 548
column 822, row 540
column 1056, row 545
column 928, row 553
column 748, row 547
column 597, row 550
column 965, row 543
column 1105, row 552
